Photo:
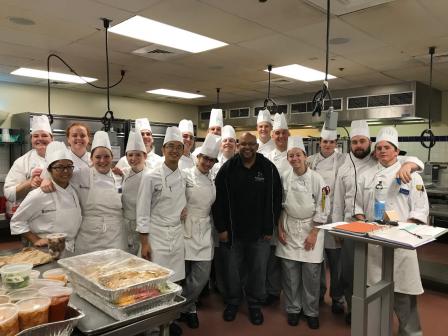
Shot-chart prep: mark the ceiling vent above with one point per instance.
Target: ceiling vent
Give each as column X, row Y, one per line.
column 341, row 7
column 159, row 52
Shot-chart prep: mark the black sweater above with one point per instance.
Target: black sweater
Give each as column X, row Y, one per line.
column 248, row 201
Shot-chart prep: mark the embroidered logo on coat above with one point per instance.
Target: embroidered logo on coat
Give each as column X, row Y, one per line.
column 259, row 177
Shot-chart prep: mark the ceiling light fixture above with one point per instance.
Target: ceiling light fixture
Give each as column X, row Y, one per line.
column 27, row 72
column 300, row 73
column 174, row 93
column 145, row 29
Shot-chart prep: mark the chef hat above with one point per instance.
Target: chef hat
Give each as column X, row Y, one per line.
column 55, row 151
column 40, row 123
column 359, row 127
column 279, row 122
column 296, row 142
column 135, row 142
column 186, row 126
column 211, row 145
column 389, row 134
column 142, row 124
column 215, row 118
column 173, row 134
column 327, row 134
column 264, row 116
column 228, row 132
column 101, row 139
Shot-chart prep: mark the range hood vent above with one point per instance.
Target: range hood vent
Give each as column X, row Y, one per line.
column 391, row 104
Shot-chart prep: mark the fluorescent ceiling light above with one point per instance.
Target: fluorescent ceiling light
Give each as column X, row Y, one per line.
column 53, row 75
column 145, row 29
column 300, row 73
column 174, row 93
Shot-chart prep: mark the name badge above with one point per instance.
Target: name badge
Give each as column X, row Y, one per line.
column 404, row 191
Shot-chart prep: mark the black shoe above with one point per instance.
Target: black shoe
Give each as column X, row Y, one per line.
column 271, row 299
column 191, row 319
column 337, row 307
column 175, row 329
column 348, row 319
column 293, row 319
column 313, row 322
column 230, row 312
column 256, row 316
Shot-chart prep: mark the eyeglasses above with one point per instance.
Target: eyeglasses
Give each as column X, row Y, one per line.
column 174, row 147
column 61, row 169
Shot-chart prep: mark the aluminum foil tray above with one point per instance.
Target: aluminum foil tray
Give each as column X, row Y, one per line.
column 133, row 310
column 60, row 328
column 108, row 262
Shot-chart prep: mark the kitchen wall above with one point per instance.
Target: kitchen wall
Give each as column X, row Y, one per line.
column 16, row 98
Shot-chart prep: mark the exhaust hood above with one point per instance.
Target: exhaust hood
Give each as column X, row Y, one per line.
column 399, row 103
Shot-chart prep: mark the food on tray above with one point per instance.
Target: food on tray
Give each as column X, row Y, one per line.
column 56, row 244
column 59, row 301
column 15, row 276
column 127, row 278
column 27, row 255
column 136, row 296
column 9, row 319
column 33, row 312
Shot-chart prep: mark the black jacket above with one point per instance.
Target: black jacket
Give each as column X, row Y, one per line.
column 248, row 201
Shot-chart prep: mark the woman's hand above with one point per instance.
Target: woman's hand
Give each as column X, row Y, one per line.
column 183, row 214
column 41, row 242
column 117, row 171
column 47, row 186
column 310, row 241
column 281, row 234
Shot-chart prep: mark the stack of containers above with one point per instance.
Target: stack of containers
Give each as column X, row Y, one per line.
column 121, row 284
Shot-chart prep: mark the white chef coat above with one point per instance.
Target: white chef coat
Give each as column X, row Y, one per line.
column 43, row 213
column 100, row 198
column 161, row 199
column 409, row 201
column 201, row 194
column 80, row 162
column 152, row 161
column 186, row 162
column 301, row 207
column 327, row 167
column 279, row 159
column 265, row 148
column 21, row 171
column 344, row 189
column 131, row 184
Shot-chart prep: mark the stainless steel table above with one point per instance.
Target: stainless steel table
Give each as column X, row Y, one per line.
column 98, row 323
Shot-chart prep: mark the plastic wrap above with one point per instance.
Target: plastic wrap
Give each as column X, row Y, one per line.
column 114, row 274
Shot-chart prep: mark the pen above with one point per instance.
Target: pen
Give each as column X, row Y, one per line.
column 412, row 233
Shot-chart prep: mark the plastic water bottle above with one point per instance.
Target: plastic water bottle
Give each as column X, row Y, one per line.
column 380, row 201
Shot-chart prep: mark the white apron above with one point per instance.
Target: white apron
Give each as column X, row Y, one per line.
column 328, row 173
column 299, row 210
column 406, row 269
column 61, row 220
column 198, row 235
column 166, row 232
column 102, row 224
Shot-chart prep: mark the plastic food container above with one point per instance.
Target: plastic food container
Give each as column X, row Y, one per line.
column 34, row 274
column 33, row 312
column 56, row 274
column 3, row 291
column 4, row 299
column 59, row 301
column 22, row 294
column 16, row 276
column 39, row 283
column 9, row 319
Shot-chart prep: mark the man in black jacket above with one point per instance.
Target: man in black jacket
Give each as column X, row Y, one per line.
column 247, row 206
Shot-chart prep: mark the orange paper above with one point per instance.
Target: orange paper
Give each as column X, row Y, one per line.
column 357, row 227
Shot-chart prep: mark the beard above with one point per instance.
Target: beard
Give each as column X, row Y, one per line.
column 361, row 154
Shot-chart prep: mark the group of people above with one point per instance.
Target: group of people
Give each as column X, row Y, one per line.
column 248, row 209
